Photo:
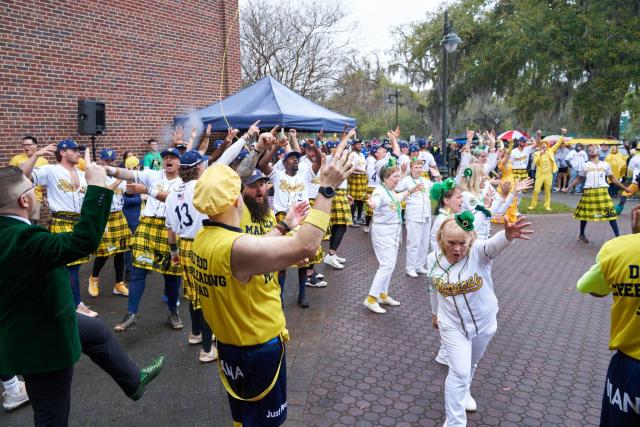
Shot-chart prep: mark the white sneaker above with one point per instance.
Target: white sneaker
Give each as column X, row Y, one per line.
column 340, row 259
column 208, row 357
column 365, row 229
column 411, row 273
column 83, row 309
column 333, row 262
column 375, row 307
column 315, row 283
column 195, row 339
column 421, row 270
column 388, row 301
column 441, row 357
column 470, row 403
column 15, row 400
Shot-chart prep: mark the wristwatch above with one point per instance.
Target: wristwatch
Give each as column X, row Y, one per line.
column 327, row 192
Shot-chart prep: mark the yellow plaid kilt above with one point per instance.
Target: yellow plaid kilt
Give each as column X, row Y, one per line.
column 595, row 205
column 520, row 174
column 358, row 186
column 150, row 247
column 63, row 222
column 318, row 257
column 340, row 209
column 367, row 210
column 189, row 288
column 117, row 236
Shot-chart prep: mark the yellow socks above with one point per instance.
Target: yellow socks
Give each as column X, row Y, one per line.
column 383, row 296
column 371, row 300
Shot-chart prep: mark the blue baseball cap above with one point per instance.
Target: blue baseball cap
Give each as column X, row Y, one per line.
column 291, row 153
column 173, row 151
column 422, row 143
column 522, row 139
column 374, row 148
column 280, row 151
column 404, row 145
column 243, row 153
column 256, row 176
column 331, row 145
column 67, row 144
column 107, row 154
column 414, row 149
column 217, row 143
column 190, row 159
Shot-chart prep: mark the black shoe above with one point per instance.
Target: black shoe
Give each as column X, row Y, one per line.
column 174, row 320
column 147, row 374
column 302, row 302
column 582, row 238
column 129, row 322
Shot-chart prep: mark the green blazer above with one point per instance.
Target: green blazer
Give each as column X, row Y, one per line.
column 38, row 326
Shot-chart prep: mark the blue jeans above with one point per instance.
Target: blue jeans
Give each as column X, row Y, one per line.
column 137, row 281
column 74, row 280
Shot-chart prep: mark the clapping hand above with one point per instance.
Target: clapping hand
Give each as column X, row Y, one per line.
column 48, row 150
column 296, row 214
column 517, row 230
column 523, row 185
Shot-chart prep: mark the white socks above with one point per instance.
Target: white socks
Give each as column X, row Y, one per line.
column 12, row 386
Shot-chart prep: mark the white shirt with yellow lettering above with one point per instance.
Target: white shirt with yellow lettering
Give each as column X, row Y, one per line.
column 61, row 194
column 156, row 180
column 465, row 299
column 288, row 190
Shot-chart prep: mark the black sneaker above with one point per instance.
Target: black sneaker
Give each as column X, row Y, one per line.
column 174, row 320
column 302, row 302
column 129, row 322
column 147, row 374
column 582, row 238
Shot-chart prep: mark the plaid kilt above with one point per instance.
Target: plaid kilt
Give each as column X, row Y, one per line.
column 189, row 288
column 150, row 247
column 63, row 222
column 595, row 205
column 340, row 209
column 367, row 209
column 520, row 174
column 117, row 236
column 318, row 257
column 358, row 183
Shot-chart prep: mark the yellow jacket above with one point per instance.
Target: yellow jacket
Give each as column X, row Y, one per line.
column 618, row 163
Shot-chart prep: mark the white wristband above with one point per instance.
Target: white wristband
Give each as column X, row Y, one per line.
column 152, row 192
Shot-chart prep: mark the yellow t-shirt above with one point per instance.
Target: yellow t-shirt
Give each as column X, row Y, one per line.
column 18, row 160
column 241, row 314
column 249, row 226
column 618, row 272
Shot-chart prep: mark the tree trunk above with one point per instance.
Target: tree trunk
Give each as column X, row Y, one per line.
column 613, row 127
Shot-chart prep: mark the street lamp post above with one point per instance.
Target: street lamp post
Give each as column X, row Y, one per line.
column 395, row 95
column 449, row 43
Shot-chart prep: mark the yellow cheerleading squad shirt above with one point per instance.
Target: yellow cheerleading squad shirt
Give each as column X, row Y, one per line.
column 249, row 226
column 618, row 272
column 241, row 314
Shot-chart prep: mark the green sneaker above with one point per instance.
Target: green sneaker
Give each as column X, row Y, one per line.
column 147, row 374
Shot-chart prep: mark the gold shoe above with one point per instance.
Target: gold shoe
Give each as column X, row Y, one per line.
column 94, row 283
column 120, row 289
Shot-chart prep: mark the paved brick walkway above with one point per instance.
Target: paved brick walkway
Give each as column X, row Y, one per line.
column 348, row 366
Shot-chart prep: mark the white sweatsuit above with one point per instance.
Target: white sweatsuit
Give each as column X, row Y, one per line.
column 386, row 235
column 467, row 308
column 417, row 219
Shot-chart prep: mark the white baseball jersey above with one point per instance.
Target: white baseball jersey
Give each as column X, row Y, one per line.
column 386, row 206
column 519, row 158
column 427, row 158
column 402, row 159
column 595, row 174
column 577, row 159
column 290, row 189
column 117, row 201
column 314, row 185
column 418, row 204
column 634, row 167
column 156, row 180
column 359, row 162
column 466, row 300
column 373, row 170
column 182, row 217
column 61, row 194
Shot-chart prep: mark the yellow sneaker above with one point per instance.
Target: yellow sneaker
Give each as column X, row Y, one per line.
column 94, row 283
column 120, row 289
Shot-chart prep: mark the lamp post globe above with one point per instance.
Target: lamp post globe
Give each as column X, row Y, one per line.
column 451, row 42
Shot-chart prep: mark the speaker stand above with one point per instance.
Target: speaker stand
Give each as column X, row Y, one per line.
column 93, row 147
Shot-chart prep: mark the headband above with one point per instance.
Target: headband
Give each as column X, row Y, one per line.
column 465, row 220
column 468, row 172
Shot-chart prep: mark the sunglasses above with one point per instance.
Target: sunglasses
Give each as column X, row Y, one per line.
column 27, row 190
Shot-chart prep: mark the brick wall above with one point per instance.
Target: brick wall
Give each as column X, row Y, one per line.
column 147, row 60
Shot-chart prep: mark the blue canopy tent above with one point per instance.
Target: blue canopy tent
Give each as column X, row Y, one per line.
column 273, row 104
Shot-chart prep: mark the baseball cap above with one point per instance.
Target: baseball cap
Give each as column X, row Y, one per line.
column 422, row 143
column 414, row 149
column 181, row 146
column 404, row 145
column 107, row 154
column 374, row 148
column 291, row 153
column 356, row 141
column 132, row 162
column 190, row 159
column 331, row 145
column 67, row 144
column 217, row 143
column 170, row 152
column 522, row 139
column 243, row 153
column 256, row 176
column 280, row 151
column 216, row 190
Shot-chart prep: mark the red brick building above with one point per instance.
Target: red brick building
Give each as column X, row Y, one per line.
column 148, row 60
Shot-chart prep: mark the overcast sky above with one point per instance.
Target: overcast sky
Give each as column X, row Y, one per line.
column 376, row 19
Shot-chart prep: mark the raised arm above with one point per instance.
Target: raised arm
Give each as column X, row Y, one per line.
column 204, row 141
column 393, row 139
column 27, row 167
column 293, row 140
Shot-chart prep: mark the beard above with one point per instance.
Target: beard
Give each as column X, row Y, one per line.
column 258, row 211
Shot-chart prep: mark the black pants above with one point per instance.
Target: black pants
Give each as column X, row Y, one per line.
column 105, row 351
column 50, row 397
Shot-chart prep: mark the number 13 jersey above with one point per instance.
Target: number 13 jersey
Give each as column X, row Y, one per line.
column 181, row 217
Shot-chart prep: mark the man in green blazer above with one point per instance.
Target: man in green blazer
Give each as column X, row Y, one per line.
column 38, row 327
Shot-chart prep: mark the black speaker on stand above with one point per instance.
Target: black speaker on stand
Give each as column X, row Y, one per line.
column 91, row 120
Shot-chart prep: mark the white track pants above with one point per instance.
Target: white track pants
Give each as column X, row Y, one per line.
column 386, row 240
column 418, row 234
column 463, row 355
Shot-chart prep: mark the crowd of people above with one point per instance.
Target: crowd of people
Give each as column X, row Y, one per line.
column 227, row 220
